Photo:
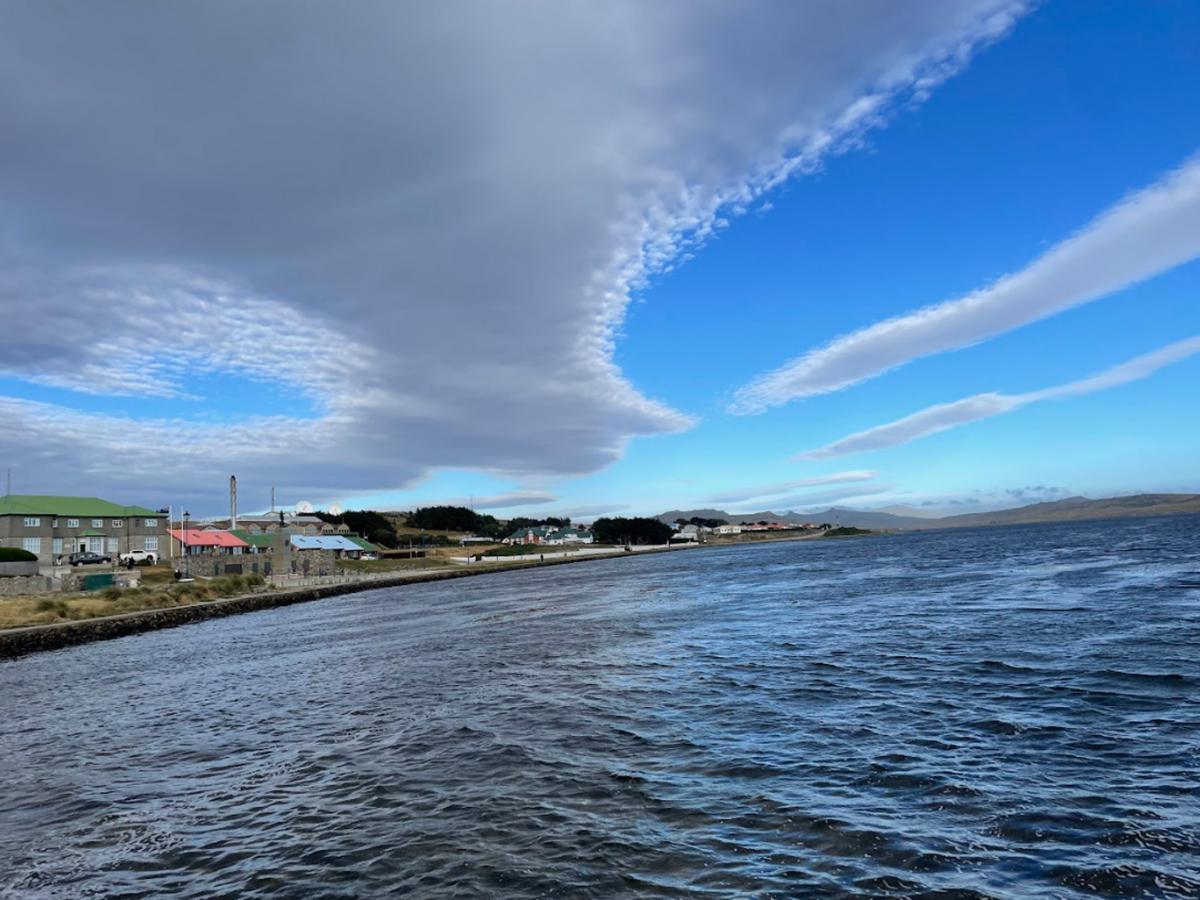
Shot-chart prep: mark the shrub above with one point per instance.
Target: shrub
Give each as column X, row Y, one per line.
column 16, row 554
column 111, row 593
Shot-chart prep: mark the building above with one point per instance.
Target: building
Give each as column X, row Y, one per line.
column 552, row 535
column 53, row 527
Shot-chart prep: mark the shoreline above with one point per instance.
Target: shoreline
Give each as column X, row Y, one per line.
column 22, row 641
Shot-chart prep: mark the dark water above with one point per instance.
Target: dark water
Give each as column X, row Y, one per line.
column 1003, row 712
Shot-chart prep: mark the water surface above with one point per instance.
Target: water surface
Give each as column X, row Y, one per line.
column 1008, row 712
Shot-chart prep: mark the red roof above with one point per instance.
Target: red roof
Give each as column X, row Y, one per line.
column 194, row 537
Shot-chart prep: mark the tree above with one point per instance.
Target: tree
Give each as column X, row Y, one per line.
column 375, row 527
column 619, row 530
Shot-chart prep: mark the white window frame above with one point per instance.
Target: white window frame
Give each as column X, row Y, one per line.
column 118, row 523
column 33, row 522
column 113, row 546
column 72, row 523
column 97, row 523
column 151, row 544
column 32, row 545
column 150, row 523
column 57, row 546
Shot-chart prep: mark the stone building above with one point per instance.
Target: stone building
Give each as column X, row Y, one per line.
column 51, row 527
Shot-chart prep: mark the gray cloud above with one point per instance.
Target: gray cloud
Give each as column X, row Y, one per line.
column 497, row 501
column 426, row 220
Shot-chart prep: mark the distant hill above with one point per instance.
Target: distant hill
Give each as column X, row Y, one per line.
column 1072, row 509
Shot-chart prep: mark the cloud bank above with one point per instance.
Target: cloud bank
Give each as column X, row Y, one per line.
column 945, row 416
column 426, row 221
column 1149, row 232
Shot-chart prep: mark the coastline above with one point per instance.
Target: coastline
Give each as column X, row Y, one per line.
column 17, row 642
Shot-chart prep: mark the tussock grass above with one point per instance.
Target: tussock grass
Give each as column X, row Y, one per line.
column 47, row 610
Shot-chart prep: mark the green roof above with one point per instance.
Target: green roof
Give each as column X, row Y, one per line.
column 362, row 542
column 91, row 532
column 82, row 507
column 254, row 540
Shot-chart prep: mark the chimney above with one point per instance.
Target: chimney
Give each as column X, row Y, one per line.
column 233, row 501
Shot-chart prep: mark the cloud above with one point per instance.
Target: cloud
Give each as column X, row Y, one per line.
column 811, row 500
column 982, row 406
column 1150, row 231
column 783, row 487
column 425, row 220
column 497, row 501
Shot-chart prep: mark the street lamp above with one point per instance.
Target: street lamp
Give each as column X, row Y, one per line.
column 184, row 542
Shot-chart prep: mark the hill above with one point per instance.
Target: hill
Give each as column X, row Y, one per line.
column 1072, row 509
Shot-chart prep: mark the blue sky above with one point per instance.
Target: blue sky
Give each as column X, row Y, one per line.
column 1080, row 105
column 473, row 316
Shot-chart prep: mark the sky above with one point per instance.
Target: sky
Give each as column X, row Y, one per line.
column 600, row 258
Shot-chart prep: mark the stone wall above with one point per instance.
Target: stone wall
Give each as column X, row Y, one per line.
column 20, row 585
column 19, row 568
column 211, row 565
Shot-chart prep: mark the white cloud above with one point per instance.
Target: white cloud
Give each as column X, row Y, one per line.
column 982, row 406
column 782, row 487
column 812, row 499
column 425, row 219
column 1149, row 232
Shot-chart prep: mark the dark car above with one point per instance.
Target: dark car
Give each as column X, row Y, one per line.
column 87, row 558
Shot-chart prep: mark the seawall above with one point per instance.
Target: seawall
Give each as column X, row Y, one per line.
column 16, row 642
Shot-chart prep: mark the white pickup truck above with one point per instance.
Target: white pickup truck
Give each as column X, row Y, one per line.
column 139, row 556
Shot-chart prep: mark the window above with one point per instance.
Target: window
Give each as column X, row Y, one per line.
column 72, row 523
column 32, row 522
column 151, row 544
column 54, row 523
column 33, row 545
column 58, row 545
column 113, row 546
column 118, row 523
column 97, row 523
column 150, row 523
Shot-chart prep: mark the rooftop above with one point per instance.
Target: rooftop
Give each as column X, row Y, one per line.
column 82, row 507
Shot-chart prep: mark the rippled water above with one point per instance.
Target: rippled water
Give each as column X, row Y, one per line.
column 1000, row 712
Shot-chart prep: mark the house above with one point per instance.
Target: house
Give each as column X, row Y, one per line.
column 687, row 533
column 51, row 526
column 207, row 542
column 550, row 534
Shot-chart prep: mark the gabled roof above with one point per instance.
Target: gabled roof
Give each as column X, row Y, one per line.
column 82, row 507
column 194, row 537
column 260, row 540
column 322, row 542
column 362, row 542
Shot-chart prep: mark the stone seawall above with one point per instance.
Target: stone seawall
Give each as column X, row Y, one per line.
column 20, row 641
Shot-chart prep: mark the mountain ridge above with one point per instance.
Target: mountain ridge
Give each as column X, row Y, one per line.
column 1069, row 509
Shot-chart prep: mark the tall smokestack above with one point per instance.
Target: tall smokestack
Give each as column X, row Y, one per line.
column 233, row 501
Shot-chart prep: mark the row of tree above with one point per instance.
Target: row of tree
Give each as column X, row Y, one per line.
column 619, row 530
column 375, row 527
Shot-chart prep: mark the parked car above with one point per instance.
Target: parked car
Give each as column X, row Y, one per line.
column 139, row 556
column 87, row 558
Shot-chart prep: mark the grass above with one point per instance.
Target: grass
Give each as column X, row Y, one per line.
column 16, row 612
column 365, row 566
column 529, row 550
column 847, row 531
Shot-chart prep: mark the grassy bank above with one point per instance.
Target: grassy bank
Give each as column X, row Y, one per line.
column 17, row 612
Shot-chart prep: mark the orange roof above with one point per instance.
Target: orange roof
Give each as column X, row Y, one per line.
column 194, row 537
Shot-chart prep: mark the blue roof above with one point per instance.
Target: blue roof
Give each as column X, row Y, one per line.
column 322, row 542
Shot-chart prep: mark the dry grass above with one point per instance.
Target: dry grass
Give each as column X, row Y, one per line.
column 358, row 566
column 49, row 609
